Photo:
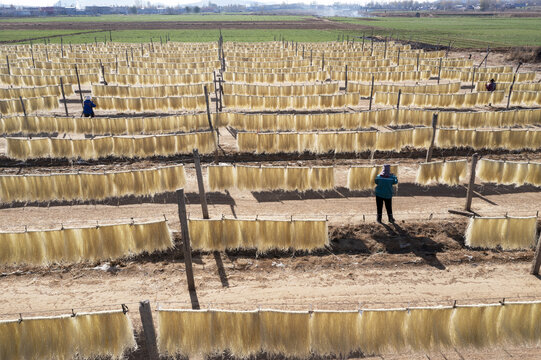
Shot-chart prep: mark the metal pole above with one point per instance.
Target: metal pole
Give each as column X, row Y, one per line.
column 469, row 194
column 185, row 239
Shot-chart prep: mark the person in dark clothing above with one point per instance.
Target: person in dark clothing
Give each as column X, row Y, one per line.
column 491, row 85
column 384, row 192
column 88, row 107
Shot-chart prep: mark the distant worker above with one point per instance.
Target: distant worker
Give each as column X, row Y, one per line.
column 384, row 192
column 491, row 85
column 88, row 107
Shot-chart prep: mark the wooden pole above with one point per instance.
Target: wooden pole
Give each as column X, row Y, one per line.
column 148, row 329
column 46, row 53
column 103, row 74
column 469, row 194
column 110, row 36
column 346, row 85
column 512, row 84
column 62, row 47
column 200, row 184
column 310, row 57
column 7, row 61
column 362, row 48
column 385, row 49
column 64, row 97
column 371, row 94
column 473, row 79
column 303, row 52
column 536, row 264
column 322, row 61
column 431, row 147
column 398, row 102
column 208, row 108
column 372, row 45
column 116, row 62
column 32, row 53
column 215, row 91
column 398, row 58
column 439, row 71
column 79, row 84
column 185, row 238
column 417, row 61
column 22, row 105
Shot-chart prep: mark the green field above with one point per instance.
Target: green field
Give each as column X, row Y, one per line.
column 137, row 36
column 146, row 18
column 463, row 31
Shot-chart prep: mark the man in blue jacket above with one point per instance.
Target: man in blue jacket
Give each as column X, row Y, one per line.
column 88, row 106
column 384, row 192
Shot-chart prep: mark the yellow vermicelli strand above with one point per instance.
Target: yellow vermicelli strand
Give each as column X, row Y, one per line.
column 429, row 172
column 88, row 335
column 297, row 179
column 221, row 177
column 505, row 232
column 361, row 177
column 285, row 333
column 104, row 334
column 84, row 244
column 185, row 332
column 383, row 331
column 335, row 333
column 509, row 173
column 428, row 329
column 475, row 326
column 237, row 332
column 206, row 235
column 454, row 172
column 309, row 235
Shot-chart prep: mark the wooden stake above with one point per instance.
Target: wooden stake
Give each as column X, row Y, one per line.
column 208, row 108
column 148, row 329
column 512, row 84
column 7, row 61
column 536, row 264
column 417, row 61
column 185, row 238
column 200, row 184
column 398, row 58
column 322, row 61
column 398, row 102
column 346, row 85
column 103, row 74
column 473, row 79
column 371, row 94
column 22, row 105
column 79, row 85
column 469, row 194
column 439, row 71
column 64, row 97
column 431, row 147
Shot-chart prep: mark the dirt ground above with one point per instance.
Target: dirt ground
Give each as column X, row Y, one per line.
column 421, row 260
